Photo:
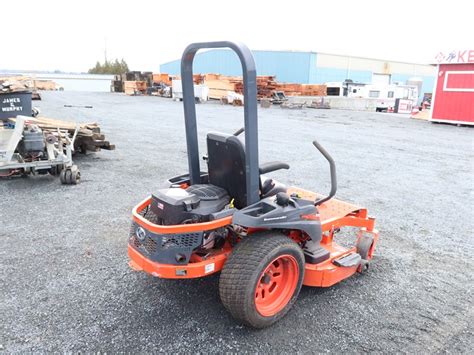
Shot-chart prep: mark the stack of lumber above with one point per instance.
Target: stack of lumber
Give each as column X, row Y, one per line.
column 265, row 86
column 219, row 85
column 162, row 78
column 134, row 87
column 132, row 82
column 25, row 83
column 45, row 85
column 138, row 76
column 88, row 136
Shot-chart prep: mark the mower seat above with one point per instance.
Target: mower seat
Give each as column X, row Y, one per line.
column 226, row 166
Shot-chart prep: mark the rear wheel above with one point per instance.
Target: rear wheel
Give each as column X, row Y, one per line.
column 262, row 278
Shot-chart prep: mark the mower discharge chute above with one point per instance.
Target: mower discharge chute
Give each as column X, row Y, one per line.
column 266, row 239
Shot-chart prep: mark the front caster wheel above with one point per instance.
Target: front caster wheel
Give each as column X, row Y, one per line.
column 70, row 176
column 262, row 278
column 364, row 243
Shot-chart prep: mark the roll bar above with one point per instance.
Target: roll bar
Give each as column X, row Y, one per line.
column 250, row 113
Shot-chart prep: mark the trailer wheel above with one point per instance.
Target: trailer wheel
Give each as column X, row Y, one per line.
column 262, row 278
column 62, row 176
column 75, row 175
column 70, row 176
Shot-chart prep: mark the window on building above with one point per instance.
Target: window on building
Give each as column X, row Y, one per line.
column 354, row 91
column 374, row 93
column 390, row 94
column 333, row 91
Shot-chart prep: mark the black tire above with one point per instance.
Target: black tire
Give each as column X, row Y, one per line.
column 56, row 170
column 242, row 273
column 75, row 175
column 62, row 177
column 363, row 245
column 68, row 176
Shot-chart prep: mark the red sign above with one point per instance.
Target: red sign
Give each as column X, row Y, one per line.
column 455, row 57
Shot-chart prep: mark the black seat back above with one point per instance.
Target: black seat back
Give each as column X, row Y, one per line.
column 226, row 164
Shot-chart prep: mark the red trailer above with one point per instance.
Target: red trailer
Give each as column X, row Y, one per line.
column 453, row 100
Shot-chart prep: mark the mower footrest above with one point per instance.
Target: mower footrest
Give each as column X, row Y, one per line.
column 348, row 260
column 314, row 253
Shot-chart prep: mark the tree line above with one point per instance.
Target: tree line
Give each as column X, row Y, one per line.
column 110, row 67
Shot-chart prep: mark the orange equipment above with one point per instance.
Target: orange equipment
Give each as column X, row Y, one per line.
column 267, row 240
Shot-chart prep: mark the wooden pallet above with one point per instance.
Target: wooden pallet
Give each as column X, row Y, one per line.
column 133, row 87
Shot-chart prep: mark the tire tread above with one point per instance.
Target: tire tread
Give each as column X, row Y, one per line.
column 242, row 268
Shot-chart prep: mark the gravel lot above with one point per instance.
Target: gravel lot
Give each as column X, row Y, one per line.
column 66, row 285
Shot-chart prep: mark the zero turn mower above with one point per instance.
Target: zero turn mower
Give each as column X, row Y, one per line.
column 267, row 240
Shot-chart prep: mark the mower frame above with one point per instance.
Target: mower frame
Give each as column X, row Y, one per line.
column 333, row 214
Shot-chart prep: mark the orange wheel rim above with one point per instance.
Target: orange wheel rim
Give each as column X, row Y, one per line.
column 276, row 285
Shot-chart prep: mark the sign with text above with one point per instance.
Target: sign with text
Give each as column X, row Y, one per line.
column 14, row 104
column 455, row 57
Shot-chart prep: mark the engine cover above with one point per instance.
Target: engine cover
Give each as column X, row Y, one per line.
column 176, row 205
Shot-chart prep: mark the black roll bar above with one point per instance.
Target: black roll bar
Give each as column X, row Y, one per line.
column 250, row 113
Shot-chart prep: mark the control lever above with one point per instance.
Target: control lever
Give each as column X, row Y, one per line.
column 332, row 167
column 239, row 131
column 282, row 199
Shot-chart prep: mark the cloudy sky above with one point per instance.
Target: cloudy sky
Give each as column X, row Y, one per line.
column 72, row 35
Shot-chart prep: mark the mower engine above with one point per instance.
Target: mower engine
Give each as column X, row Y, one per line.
column 194, row 204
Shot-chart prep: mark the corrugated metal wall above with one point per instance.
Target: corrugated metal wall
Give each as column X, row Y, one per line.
column 291, row 67
column 308, row 67
column 331, row 67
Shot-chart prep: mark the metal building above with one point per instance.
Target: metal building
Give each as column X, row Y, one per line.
column 453, row 99
column 312, row 68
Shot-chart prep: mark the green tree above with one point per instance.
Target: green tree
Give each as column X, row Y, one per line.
column 110, row 67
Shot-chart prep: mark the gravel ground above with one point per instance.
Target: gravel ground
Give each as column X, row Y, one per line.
column 66, row 285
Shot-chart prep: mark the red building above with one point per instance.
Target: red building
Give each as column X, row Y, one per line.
column 453, row 97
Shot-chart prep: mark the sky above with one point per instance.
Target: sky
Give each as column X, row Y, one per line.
column 72, row 35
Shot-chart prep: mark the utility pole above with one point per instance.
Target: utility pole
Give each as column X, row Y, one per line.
column 105, row 49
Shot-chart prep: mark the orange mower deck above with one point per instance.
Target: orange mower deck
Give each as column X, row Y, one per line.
column 333, row 214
